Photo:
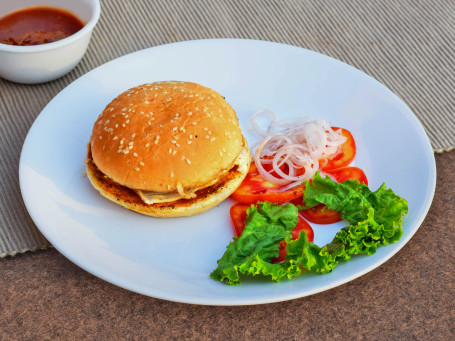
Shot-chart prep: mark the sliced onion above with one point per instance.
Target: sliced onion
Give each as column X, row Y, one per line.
column 298, row 143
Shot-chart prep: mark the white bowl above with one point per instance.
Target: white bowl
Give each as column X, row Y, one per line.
column 46, row 62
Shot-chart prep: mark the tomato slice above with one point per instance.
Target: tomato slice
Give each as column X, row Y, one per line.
column 320, row 214
column 238, row 216
column 346, row 173
column 254, row 188
column 344, row 157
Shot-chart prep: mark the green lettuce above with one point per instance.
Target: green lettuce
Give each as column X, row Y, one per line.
column 375, row 219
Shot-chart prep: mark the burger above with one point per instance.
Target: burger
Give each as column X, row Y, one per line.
column 167, row 149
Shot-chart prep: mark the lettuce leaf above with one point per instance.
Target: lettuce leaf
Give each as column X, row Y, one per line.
column 375, row 219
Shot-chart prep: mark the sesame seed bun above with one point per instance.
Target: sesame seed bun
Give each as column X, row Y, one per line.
column 205, row 198
column 167, row 149
column 164, row 135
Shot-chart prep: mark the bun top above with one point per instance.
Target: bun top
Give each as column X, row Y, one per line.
column 166, row 136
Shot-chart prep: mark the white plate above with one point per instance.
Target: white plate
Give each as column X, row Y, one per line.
column 172, row 258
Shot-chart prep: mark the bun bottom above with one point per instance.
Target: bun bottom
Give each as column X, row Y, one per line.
column 205, row 199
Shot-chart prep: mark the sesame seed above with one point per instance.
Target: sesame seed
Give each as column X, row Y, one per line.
column 133, row 136
column 130, row 143
column 115, row 138
column 174, row 141
column 124, row 109
column 157, row 137
column 112, row 109
column 172, row 174
column 130, row 147
column 205, row 128
column 128, row 95
column 156, row 141
column 135, row 154
column 170, row 150
column 224, row 150
column 221, row 153
column 210, row 132
column 190, row 113
column 206, row 136
column 194, row 123
column 116, row 125
column 141, row 163
column 212, row 139
column 107, row 121
column 174, row 152
column 188, row 161
column 121, row 141
column 146, row 102
column 190, row 142
column 136, row 169
column 127, row 121
column 126, row 151
column 147, row 145
column 182, row 158
column 175, row 128
column 123, row 125
column 101, row 137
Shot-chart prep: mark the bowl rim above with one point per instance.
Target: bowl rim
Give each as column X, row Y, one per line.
column 88, row 27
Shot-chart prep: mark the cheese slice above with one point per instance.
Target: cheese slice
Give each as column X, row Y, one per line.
column 150, row 197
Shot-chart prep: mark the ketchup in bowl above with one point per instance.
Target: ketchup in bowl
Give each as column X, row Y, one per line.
column 38, row 25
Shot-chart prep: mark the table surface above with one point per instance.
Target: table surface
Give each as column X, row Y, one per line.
column 410, row 297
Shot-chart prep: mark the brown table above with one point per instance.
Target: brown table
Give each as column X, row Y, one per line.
column 410, row 297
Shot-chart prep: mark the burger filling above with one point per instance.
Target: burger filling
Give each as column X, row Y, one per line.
column 150, row 197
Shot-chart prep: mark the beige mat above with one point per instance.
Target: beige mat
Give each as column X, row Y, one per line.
column 408, row 45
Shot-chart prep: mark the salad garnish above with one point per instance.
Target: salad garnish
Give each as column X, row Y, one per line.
column 291, row 150
column 374, row 219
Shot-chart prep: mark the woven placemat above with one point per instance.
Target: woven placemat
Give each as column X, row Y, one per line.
column 407, row 45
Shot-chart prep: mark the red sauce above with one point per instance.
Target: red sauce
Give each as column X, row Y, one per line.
column 37, row 25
